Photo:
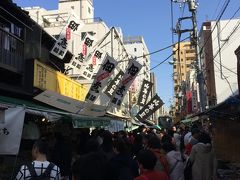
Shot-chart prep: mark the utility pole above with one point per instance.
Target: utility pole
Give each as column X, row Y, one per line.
column 192, row 5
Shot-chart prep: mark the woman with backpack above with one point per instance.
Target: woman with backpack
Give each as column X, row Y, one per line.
column 176, row 162
column 40, row 168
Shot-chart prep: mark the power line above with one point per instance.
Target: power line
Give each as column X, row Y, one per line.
column 226, row 81
column 154, row 52
column 218, row 19
column 228, row 21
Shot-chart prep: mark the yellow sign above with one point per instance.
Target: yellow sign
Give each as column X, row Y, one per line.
column 46, row 78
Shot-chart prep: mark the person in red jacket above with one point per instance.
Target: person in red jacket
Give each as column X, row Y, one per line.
column 147, row 161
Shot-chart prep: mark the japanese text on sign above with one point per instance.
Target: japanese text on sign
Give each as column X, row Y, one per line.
column 153, row 105
column 128, row 77
column 61, row 46
column 144, row 92
column 101, row 79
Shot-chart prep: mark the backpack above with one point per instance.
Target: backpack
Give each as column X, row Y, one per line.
column 44, row 176
column 188, row 170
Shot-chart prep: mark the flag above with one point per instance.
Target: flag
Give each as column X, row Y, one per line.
column 101, row 79
column 133, row 69
column 61, row 45
column 144, row 92
column 153, row 105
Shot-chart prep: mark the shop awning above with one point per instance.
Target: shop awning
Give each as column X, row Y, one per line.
column 53, row 114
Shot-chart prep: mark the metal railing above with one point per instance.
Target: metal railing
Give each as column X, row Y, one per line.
column 11, row 51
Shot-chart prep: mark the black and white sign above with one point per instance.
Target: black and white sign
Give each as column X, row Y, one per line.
column 91, row 63
column 194, row 101
column 61, row 46
column 144, row 93
column 112, row 87
column 133, row 69
column 85, row 48
column 104, row 72
column 153, row 105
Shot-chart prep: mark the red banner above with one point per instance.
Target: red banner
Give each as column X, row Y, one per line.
column 84, row 49
column 94, row 60
column 68, row 33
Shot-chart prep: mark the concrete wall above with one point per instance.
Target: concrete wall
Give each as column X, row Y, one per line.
column 223, row 77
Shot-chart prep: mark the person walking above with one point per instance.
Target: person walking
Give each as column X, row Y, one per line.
column 40, row 168
column 176, row 162
column 203, row 159
column 147, row 162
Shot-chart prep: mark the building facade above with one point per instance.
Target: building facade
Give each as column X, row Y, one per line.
column 219, row 67
column 183, row 72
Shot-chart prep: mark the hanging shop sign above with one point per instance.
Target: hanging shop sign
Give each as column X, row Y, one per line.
column 194, row 101
column 153, row 105
column 112, row 87
column 11, row 131
column 92, row 63
column 144, row 93
column 101, row 79
column 85, row 48
column 61, row 46
column 133, row 69
column 90, row 123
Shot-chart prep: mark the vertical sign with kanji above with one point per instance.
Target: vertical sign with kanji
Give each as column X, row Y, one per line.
column 133, row 69
column 153, row 105
column 112, row 87
column 89, row 68
column 77, row 62
column 101, row 79
column 144, row 92
column 61, row 46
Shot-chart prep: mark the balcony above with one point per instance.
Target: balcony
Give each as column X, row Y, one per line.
column 11, row 52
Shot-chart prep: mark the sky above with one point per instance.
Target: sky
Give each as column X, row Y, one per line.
column 152, row 20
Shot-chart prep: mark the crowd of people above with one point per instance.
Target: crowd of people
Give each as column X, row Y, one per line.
column 176, row 154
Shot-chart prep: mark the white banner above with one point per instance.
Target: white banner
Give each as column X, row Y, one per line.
column 11, row 131
column 92, row 63
column 85, row 48
column 61, row 46
column 133, row 69
column 100, row 82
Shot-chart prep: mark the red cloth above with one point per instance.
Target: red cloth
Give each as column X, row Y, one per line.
column 152, row 175
column 162, row 158
column 188, row 149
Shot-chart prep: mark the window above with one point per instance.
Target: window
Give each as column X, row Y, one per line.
column 181, row 59
column 182, row 74
column 175, row 81
column 135, row 49
column 89, row 10
column 174, row 66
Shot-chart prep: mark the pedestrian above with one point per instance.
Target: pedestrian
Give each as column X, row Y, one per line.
column 154, row 145
column 147, row 161
column 193, row 140
column 120, row 166
column 175, row 160
column 40, row 168
column 203, row 159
